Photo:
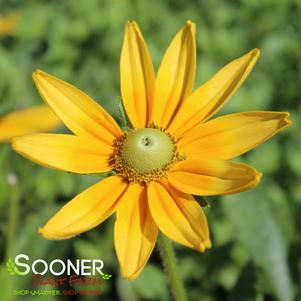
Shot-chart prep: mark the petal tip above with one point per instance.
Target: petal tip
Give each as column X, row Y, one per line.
column 44, row 233
column 37, row 73
column 255, row 52
column 131, row 23
column 130, row 276
column 52, row 235
column 205, row 245
column 284, row 120
column 208, row 243
column 191, row 25
column 287, row 121
column 256, row 180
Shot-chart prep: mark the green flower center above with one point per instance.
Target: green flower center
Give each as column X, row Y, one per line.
column 146, row 150
column 144, row 155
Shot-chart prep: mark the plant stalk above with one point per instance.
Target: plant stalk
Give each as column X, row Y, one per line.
column 170, row 265
column 13, row 212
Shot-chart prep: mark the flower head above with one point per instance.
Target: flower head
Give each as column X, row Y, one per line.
column 170, row 154
column 27, row 121
column 9, row 23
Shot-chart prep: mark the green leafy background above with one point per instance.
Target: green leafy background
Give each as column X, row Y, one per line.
column 256, row 238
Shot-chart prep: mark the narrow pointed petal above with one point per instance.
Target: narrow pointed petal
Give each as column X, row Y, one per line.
column 65, row 152
column 178, row 216
column 28, row 121
column 231, row 135
column 86, row 211
column 137, row 76
column 82, row 115
column 135, row 231
column 175, row 77
column 212, row 177
column 211, row 96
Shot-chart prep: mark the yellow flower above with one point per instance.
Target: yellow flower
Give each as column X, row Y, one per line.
column 27, row 121
column 171, row 153
column 9, row 23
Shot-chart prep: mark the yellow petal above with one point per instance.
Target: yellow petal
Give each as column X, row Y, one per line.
column 211, row 96
column 178, row 216
column 86, row 211
column 135, row 231
column 232, row 135
column 28, row 121
column 212, row 177
column 65, row 152
column 175, row 76
column 137, row 76
column 82, row 115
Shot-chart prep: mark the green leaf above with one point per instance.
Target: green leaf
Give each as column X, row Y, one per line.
column 247, row 288
column 151, row 284
column 255, row 226
column 125, row 290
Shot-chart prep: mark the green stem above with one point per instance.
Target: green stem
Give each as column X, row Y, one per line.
column 13, row 212
column 170, row 266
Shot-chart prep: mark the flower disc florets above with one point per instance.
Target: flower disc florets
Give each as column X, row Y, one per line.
column 145, row 155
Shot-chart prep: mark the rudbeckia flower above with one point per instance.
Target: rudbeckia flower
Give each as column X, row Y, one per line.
column 9, row 23
column 27, row 121
column 170, row 153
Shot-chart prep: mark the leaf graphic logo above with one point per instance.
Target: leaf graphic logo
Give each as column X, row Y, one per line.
column 11, row 268
column 106, row 276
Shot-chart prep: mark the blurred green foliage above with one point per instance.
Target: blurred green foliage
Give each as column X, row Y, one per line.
column 256, row 241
